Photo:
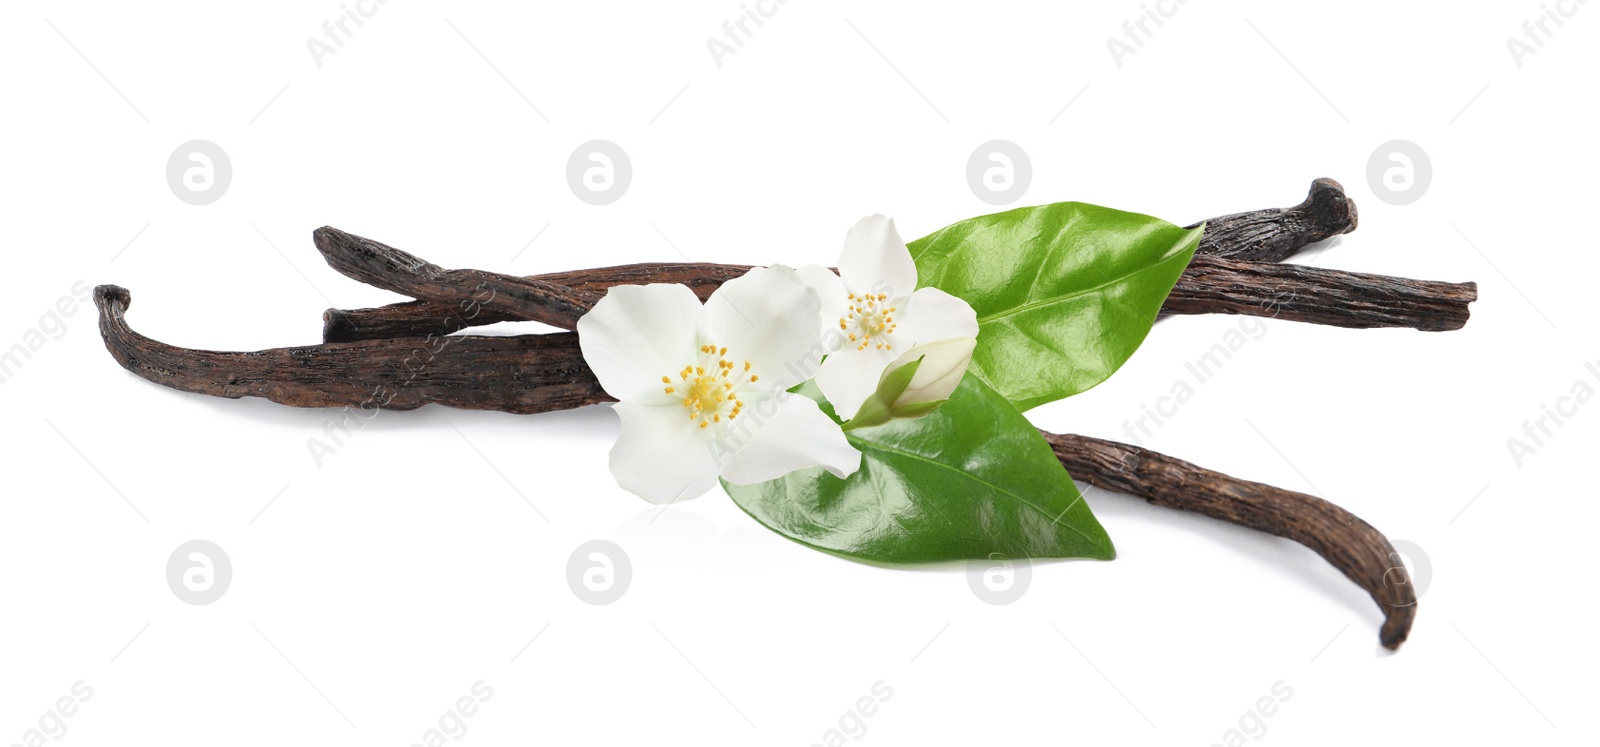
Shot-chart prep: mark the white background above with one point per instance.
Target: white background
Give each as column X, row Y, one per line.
column 372, row 592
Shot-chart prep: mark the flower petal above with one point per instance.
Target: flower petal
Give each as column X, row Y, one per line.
column 635, row 335
column 795, row 436
column 849, row 376
column 875, row 259
column 660, row 456
column 770, row 318
column 830, row 292
column 932, row 315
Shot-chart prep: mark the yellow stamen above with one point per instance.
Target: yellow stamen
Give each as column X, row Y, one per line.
column 869, row 321
column 707, row 396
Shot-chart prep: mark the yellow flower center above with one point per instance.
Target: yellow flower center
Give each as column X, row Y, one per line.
column 709, row 387
column 869, row 321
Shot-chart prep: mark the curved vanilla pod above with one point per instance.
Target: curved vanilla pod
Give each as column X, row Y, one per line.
column 1351, row 545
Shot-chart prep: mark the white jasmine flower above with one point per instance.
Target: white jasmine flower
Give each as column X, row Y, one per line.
column 701, row 389
column 872, row 311
column 917, row 382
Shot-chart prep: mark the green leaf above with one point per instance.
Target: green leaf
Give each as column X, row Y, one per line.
column 1064, row 293
column 972, row 479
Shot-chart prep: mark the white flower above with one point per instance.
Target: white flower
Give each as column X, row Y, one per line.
column 940, row 368
column 701, row 389
column 872, row 312
column 917, row 382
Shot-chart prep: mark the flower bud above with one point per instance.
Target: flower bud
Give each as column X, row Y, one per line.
column 917, row 382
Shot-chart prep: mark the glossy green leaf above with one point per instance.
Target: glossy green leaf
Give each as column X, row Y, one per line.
column 972, row 479
column 1064, row 293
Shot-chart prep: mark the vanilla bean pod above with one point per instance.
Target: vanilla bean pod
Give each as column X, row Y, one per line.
column 521, row 374
column 1276, row 234
column 1358, row 300
column 1268, row 235
column 382, row 266
column 1209, row 285
column 542, row 373
column 421, row 318
column 1353, row 546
